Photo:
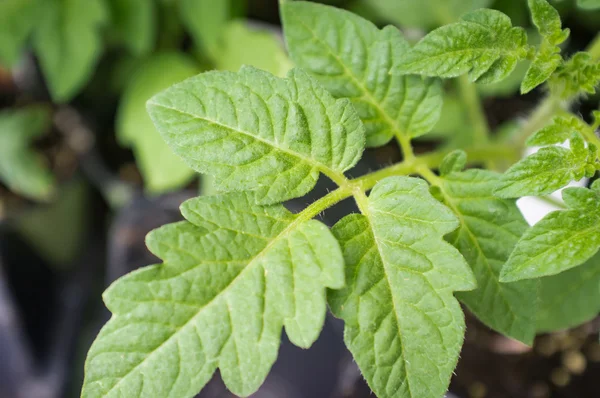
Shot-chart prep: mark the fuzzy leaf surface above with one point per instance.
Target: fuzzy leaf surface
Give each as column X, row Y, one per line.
column 352, row 58
column 489, row 230
column 484, row 44
column 68, row 43
column 560, row 241
column 544, row 172
column 17, row 19
column 570, row 298
column 252, row 130
column 579, row 75
column 558, row 131
column 402, row 323
column 545, row 62
column 20, row 167
column 161, row 169
column 233, row 275
column 547, row 21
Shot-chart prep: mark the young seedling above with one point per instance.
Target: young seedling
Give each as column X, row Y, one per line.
column 431, row 232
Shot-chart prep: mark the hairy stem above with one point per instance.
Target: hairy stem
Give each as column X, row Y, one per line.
column 406, row 146
column 417, row 164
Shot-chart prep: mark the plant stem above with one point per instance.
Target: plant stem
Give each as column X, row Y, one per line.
column 429, row 175
column 406, row 146
column 549, row 108
column 318, row 206
column 417, row 164
column 470, row 97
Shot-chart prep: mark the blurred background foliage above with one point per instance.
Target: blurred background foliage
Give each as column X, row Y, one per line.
column 84, row 174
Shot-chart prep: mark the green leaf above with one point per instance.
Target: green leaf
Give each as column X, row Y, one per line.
column 68, row 43
column 546, row 171
column 570, row 298
column 161, row 169
column 352, row 59
column 17, row 19
column 205, row 19
column 484, row 44
column 402, row 323
column 547, row 59
column 232, row 276
column 489, row 230
column 507, row 87
column 454, row 161
column 244, row 45
column 57, row 231
column 252, row 130
column 545, row 62
column 134, row 22
column 21, row 169
column 560, row 241
column 579, row 75
column 547, row 21
column 424, row 14
column 558, row 131
column 589, row 4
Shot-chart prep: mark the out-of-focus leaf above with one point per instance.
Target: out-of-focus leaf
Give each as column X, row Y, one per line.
column 17, row 19
column 68, row 43
column 161, row 169
column 134, row 22
column 21, row 169
column 244, row 45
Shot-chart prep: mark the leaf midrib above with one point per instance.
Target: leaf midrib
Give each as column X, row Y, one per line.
column 475, row 241
column 283, row 233
column 366, row 92
column 527, row 264
column 325, row 169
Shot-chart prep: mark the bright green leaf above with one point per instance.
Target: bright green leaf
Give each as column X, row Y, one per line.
column 489, row 230
column 161, row 169
column 21, row 169
column 244, row 45
column 570, row 298
column 579, row 75
column 424, row 14
column 253, row 130
column 547, row 59
column 560, row 241
column 544, row 64
column 17, row 19
column 134, row 22
column 352, row 59
column 484, row 44
column 547, row 21
column 402, row 323
column 68, row 43
column 232, row 276
column 558, row 131
column 545, row 171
